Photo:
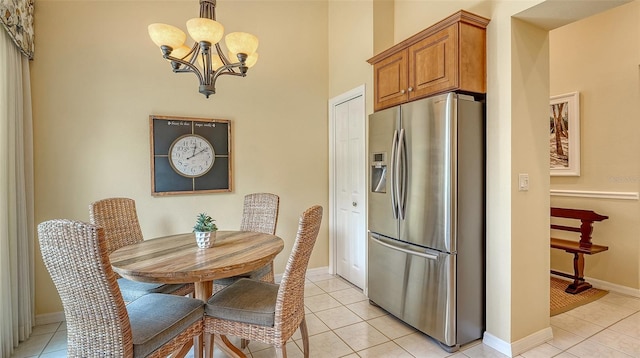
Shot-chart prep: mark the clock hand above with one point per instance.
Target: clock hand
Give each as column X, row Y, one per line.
column 203, row 150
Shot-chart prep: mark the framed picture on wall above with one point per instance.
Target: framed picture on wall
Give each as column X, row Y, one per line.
column 190, row 155
column 564, row 134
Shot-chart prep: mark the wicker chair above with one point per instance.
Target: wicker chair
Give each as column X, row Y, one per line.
column 119, row 219
column 98, row 322
column 267, row 312
column 259, row 214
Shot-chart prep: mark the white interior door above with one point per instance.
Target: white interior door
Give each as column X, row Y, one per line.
column 349, row 185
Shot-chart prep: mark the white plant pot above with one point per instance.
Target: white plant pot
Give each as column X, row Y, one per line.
column 205, row 239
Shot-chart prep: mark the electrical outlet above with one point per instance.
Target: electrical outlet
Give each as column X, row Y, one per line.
column 523, row 182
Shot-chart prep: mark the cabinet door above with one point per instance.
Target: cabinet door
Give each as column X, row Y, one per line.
column 390, row 81
column 433, row 64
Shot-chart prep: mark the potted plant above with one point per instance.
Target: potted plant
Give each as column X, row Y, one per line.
column 205, row 230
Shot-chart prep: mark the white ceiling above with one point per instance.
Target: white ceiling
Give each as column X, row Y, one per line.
column 552, row 14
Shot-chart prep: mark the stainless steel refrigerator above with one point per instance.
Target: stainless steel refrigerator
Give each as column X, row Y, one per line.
column 426, row 246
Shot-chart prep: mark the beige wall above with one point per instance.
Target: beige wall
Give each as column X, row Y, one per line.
column 599, row 58
column 92, row 133
column 350, row 45
column 413, row 16
column 97, row 77
column 529, row 209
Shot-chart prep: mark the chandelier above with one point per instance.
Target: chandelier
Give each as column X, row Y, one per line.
column 200, row 59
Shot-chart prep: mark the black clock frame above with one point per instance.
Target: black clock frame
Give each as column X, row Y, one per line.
column 165, row 180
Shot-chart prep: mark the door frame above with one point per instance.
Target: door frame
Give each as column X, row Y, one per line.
column 333, row 103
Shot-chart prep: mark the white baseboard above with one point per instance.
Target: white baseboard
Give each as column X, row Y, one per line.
column 519, row 346
column 497, row 344
column 48, row 318
column 604, row 285
column 310, row 272
column 522, row 345
column 318, row 270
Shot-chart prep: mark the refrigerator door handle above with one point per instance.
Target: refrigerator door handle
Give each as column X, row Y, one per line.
column 401, row 184
column 425, row 255
column 394, row 146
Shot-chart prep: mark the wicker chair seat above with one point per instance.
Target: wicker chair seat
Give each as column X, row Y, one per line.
column 132, row 290
column 246, row 301
column 99, row 324
column 151, row 330
column 266, row 312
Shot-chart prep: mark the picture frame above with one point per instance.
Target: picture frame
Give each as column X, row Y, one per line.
column 190, row 155
column 564, row 134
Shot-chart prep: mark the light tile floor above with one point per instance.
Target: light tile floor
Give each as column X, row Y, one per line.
column 342, row 323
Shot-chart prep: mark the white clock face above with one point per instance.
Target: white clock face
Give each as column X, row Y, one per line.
column 191, row 155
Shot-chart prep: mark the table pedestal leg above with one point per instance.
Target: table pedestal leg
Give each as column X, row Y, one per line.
column 204, row 290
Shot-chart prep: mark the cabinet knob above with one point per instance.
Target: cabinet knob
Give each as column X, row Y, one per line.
column 402, row 91
column 410, row 89
column 354, row 204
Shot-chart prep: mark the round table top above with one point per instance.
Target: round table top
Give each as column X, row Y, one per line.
column 177, row 258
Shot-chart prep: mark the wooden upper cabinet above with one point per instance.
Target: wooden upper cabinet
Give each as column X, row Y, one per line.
column 448, row 56
column 391, row 80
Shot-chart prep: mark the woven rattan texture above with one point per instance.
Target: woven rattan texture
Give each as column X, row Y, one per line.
column 77, row 259
column 119, row 219
column 289, row 312
column 259, row 214
column 561, row 301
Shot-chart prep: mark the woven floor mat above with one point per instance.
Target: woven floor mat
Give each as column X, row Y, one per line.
column 563, row 302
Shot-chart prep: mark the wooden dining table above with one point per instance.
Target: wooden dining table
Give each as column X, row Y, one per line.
column 177, row 259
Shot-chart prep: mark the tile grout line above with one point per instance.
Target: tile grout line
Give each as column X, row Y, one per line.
column 629, row 306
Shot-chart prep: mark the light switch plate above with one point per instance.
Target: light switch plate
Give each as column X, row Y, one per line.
column 523, row 182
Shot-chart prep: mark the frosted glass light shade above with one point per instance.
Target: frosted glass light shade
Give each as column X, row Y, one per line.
column 202, row 29
column 249, row 62
column 216, row 62
column 252, row 59
column 163, row 34
column 180, row 52
column 241, row 42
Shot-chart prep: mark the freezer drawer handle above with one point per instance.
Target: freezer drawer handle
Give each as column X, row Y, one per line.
column 410, row 252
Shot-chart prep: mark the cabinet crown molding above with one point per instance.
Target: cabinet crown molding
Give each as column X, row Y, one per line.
column 461, row 16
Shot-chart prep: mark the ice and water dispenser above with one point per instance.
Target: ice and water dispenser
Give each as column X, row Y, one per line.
column 379, row 172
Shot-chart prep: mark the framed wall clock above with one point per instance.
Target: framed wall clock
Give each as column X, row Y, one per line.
column 190, row 155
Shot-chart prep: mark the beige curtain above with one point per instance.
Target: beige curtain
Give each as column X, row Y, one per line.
column 16, row 198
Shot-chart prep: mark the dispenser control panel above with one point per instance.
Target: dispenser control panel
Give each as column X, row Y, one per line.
column 379, row 172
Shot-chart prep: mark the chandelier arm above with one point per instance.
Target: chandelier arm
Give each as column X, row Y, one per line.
column 217, row 74
column 224, row 59
column 189, row 67
column 195, row 51
column 230, row 74
column 228, row 70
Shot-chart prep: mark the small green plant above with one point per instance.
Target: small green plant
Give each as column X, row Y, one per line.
column 204, row 223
